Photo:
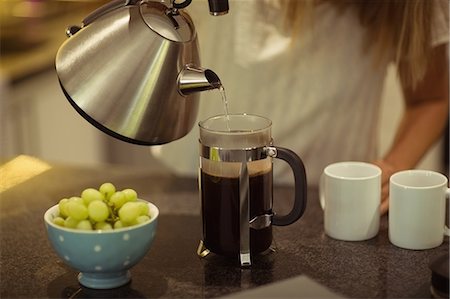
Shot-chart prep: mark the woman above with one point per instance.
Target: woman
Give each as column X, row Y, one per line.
column 317, row 69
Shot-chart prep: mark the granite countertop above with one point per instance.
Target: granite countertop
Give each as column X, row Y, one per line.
column 172, row 269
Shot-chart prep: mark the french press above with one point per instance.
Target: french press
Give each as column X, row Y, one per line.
column 235, row 182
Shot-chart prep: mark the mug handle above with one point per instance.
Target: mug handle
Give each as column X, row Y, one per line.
column 298, row 169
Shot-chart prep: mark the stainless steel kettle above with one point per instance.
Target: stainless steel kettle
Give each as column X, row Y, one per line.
column 132, row 69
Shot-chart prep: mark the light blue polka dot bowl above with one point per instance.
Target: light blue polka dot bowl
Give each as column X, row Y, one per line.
column 104, row 258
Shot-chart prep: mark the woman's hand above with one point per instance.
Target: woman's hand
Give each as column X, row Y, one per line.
column 387, row 170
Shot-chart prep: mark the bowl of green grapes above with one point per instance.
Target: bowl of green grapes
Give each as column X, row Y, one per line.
column 102, row 233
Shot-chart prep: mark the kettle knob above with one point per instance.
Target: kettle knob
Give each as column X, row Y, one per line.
column 71, row 30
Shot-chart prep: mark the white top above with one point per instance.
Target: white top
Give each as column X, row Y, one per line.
column 322, row 94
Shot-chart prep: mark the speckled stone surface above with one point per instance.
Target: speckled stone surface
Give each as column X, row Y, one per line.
column 172, row 269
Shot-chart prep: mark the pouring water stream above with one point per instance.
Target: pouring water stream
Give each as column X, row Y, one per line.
column 225, row 105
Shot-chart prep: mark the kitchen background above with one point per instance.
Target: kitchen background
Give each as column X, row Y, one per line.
column 37, row 120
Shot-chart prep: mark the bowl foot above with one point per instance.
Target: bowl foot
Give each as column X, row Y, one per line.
column 104, row 280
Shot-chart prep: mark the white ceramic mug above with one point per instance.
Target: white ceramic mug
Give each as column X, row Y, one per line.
column 417, row 209
column 350, row 195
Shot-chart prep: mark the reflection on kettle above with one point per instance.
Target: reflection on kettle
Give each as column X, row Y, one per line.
column 132, row 69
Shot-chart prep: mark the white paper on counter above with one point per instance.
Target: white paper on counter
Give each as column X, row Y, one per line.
column 296, row 287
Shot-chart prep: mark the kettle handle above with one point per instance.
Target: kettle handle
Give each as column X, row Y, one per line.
column 121, row 3
column 181, row 5
column 105, row 9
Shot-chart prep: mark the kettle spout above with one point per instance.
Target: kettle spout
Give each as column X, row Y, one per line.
column 194, row 79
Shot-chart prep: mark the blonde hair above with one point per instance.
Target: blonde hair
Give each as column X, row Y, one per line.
column 402, row 26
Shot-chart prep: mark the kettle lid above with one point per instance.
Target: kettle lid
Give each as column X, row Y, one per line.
column 168, row 22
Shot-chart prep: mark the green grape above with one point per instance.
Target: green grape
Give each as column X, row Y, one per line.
column 118, row 224
column 103, row 226
column 90, row 194
column 98, row 211
column 76, row 199
column 84, row 225
column 102, row 209
column 62, row 205
column 118, row 199
column 129, row 212
column 143, row 208
column 107, row 189
column 77, row 211
column 130, row 194
column 70, row 222
column 58, row 221
column 141, row 219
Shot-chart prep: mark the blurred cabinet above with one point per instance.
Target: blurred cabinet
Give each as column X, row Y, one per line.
column 35, row 117
column 37, row 120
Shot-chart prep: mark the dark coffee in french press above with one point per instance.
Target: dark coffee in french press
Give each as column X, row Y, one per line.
column 220, row 209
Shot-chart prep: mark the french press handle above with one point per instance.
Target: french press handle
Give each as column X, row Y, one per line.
column 300, row 183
